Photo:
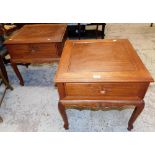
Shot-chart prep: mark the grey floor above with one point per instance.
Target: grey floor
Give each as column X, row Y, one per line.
column 34, row 106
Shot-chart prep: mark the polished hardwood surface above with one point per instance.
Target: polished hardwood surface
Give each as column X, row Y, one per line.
column 99, row 74
column 37, row 43
column 38, row 33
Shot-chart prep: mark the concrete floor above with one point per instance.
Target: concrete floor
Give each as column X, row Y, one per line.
column 34, row 106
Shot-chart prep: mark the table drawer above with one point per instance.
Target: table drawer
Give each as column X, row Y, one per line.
column 106, row 90
column 33, row 50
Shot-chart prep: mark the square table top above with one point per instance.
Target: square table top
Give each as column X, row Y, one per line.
column 107, row 60
column 38, row 33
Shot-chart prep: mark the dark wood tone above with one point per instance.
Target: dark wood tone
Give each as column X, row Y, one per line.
column 100, row 74
column 5, row 80
column 3, row 74
column 96, row 30
column 37, row 43
column 103, row 28
column 1, row 30
column 79, row 30
column 2, row 67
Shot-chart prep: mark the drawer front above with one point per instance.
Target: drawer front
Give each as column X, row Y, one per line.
column 106, row 90
column 28, row 51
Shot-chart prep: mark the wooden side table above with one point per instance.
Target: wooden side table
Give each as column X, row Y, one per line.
column 99, row 74
column 37, row 43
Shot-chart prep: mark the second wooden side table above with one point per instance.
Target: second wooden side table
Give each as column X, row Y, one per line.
column 37, row 43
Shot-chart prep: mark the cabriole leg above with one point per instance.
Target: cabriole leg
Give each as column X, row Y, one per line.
column 138, row 109
column 63, row 114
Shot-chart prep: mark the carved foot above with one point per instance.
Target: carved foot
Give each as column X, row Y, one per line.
column 66, row 126
column 63, row 114
column 130, row 127
column 21, row 83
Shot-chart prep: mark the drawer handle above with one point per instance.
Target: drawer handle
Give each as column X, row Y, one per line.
column 33, row 50
column 103, row 91
column 96, row 76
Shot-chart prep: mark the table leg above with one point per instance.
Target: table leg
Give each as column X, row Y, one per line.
column 103, row 27
column 3, row 69
column 4, row 75
column 138, row 109
column 96, row 30
column 14, row 66
column 79, row 30
column 63, row 114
